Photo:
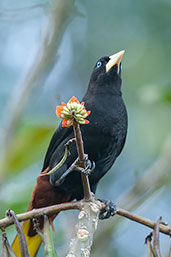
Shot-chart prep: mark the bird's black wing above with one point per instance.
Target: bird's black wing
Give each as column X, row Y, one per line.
column 60, row 134
column 108, row 156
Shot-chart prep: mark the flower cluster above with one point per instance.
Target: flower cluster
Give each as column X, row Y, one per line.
column 73, row 110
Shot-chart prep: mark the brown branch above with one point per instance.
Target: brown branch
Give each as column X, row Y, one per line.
column 20, row 232
column 5, row 222
column 156, row 238
column 165, row 229
column 81, row 155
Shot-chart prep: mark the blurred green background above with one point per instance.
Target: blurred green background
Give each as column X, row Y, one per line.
column 48, row 50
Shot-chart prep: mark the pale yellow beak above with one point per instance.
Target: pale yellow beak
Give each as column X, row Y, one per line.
column 114, row 59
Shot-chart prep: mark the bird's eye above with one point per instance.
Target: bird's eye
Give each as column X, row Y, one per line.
column 120, row 66
column 99, row 64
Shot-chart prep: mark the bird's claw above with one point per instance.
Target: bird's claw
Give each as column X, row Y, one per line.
column 108, row 211
column 89, row 166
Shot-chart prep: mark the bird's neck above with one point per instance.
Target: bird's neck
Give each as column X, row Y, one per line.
column 101, row 93
column 104, row 89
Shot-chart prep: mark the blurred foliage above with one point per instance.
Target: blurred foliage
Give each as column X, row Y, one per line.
column 27, row 147
column 47, row 55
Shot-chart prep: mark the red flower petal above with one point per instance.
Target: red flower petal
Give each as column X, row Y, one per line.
column 59, row 109
column 73, row 99
column 88, row 112
column 86, row 121
column 63, row 104
column 65, row 123
column 69, row 122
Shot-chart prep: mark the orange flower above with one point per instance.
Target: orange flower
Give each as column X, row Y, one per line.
column 66, row 112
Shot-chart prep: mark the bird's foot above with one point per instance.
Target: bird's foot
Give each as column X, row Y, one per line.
column 65, row 174
column 89, row 166
column 108, row 211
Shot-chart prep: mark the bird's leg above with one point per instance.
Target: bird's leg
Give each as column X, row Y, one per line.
column 90, row 166
column 108, row 211
column 71, row 168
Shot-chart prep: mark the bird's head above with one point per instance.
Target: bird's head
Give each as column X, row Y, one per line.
column 107, row 73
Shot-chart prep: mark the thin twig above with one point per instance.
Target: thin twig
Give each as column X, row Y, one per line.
column 156, row 245
column 81, row 155
column 169, row 252
column 20, row 232
column 165, row 229
column 6, row 249
column 149, row 246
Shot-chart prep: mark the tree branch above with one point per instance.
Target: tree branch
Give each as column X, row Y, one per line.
column 81, row 243
column 165, row 229
column 5, row 222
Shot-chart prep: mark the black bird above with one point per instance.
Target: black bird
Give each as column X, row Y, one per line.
column 104, row 138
